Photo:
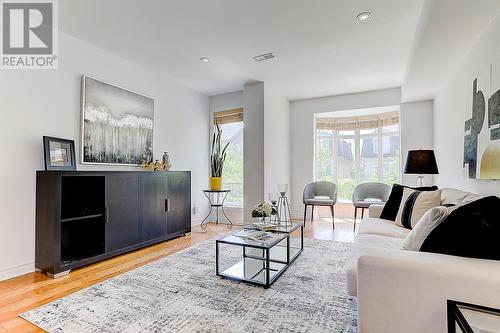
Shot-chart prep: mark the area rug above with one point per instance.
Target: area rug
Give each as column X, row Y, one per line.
column 181, row 293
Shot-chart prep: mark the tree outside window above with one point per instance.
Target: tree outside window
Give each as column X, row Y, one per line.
column 354, row 150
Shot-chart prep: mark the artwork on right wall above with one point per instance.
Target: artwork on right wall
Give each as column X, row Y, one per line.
column 482, row 127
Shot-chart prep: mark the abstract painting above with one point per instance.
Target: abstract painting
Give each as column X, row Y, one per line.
column 117, row 124
column 482, row 127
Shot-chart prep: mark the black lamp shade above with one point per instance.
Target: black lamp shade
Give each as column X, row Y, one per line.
column 421, row 162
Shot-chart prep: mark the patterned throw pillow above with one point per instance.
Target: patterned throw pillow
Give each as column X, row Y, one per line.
column 414, row 204
column 391, row 207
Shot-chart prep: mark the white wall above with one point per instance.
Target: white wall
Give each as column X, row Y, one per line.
column 416, row 125
column 253, row 133
column 266, row 139
column 232, row 100
column 450, row 107
column 276, row 141
column 47, row 102
column 302, row 131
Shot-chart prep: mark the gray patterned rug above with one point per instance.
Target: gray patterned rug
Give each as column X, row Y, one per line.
column 180, row 293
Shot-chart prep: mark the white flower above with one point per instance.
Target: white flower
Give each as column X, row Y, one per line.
column 263, row 209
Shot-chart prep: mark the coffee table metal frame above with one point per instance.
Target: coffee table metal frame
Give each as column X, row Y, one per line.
column 272, row 267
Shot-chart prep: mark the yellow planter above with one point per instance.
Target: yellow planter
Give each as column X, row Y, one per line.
column 216, row 183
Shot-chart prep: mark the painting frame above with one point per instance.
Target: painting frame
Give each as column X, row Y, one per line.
column 47, row 140
column 83, row 101
column 481, row 145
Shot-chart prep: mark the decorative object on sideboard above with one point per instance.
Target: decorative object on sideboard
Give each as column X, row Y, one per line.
column 482, row 134
column 117, row 124
column 217, row 160
column 164, row 165
column 421, row 162
column 283, row 206
column 165, row 161
column 59, row 154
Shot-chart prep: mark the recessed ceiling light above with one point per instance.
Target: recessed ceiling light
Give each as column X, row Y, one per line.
column 204, row 59
column 365, row 16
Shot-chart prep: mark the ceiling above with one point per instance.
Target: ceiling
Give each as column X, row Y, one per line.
column 446, row 33
column 320, row 47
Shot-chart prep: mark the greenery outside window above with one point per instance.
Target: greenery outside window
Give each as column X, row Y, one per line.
column 231, row 124
column 354, row 150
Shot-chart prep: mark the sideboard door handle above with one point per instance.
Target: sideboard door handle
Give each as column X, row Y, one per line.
column 106, row 215
column 167, row 206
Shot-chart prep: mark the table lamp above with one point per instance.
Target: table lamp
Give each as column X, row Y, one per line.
column 421, row 162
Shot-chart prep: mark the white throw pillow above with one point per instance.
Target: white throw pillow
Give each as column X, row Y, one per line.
column 431, row 219
column 414, row 204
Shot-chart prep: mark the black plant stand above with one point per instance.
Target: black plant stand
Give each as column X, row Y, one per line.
column 214, row 198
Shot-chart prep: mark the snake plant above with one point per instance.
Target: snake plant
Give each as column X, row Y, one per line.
column 218, row 156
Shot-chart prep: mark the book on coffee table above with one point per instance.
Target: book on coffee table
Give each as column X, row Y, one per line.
column 258, row 236
column 264, row 226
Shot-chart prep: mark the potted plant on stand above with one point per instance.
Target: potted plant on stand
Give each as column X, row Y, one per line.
column 217, row 160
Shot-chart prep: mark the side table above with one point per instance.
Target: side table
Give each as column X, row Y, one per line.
column 216, row 199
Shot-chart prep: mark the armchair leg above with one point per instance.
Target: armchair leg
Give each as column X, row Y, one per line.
column 355, row 217
column 332, row 209
column 305, row 213
column 312, row 214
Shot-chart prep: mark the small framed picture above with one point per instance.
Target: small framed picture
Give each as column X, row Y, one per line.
column 59, row 154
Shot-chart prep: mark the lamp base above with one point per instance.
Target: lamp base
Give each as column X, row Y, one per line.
column 420, row 181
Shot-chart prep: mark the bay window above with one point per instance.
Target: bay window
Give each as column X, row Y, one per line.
column 354, row 150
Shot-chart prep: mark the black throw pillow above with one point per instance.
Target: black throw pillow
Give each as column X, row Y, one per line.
column 472, row 230
column 390, row 210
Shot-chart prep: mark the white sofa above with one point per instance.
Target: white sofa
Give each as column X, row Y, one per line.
column 406, row 291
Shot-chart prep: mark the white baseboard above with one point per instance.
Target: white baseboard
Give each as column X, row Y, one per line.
column 16, row 270
column 297, row 216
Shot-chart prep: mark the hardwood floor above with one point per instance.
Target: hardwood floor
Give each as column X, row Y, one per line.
column 29, row 291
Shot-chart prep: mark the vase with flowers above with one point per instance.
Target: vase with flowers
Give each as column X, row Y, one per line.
column 263, row 211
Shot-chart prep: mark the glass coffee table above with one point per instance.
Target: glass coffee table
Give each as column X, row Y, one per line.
column 260, row 263
column 472, row 318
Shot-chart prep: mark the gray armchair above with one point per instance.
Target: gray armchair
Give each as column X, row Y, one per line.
column 320, row 194
column 367, row 194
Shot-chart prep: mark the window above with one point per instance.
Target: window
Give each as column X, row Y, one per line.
column 354, row 150
column 231, row 123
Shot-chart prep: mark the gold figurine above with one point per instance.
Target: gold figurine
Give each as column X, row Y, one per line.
column 155, row 166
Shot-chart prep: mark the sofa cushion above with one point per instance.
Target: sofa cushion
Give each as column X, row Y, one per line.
column 471, row 230
column 367, row 244
column 414, row 204
column 377, row 226
column 320, row 201
column 452, row 196
column 391, row 208
column 367, row 203
column 375, row 210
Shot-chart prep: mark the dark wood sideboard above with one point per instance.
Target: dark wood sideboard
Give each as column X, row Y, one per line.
column 86, row 216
